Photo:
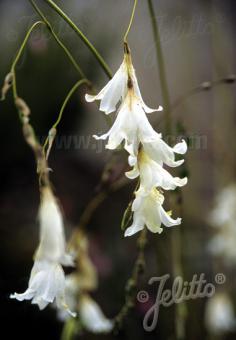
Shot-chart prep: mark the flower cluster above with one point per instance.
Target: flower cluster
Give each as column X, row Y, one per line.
column 148, row 153
column 47, row 279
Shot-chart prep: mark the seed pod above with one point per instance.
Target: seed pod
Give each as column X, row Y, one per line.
column 22, row 107
column 7, row 85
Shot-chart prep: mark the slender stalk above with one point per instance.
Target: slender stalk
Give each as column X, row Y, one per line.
column 162, row 72
column 18, row 55
column 71, row 92
column 57, row 39
column 131, row 20
column 95, row 203
column 71, row 58
column 82, row 37
column 180, row 312
column 132, row 282
column 69, row 95
column 205, row 86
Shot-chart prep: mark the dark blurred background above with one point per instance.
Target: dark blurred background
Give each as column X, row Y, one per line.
column 198, row 41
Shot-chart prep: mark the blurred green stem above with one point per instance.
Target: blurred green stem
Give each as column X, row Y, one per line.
column 97, row 55
column 18, row 55
column 60, row 43
column 131, row 20
column 162, row 71
column 69, row 95
column 180, row 313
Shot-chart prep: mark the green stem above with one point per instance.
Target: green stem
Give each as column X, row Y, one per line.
column 161, row 63
column 82, row 37
column 69, row 95
column 131, row 20
column 19, row 53
column 180, row 313
column 57, row 39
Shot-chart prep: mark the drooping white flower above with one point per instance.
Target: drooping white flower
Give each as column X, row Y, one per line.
column 222, row 218
column 92, row 316
column 72, row 289
column 224, row 211
column 147, row 210
column 47, row 279
column 88, row 310
column 117, row 88
column 219, row 314
column 131, row 125
column 162, row 153
column 152, row 174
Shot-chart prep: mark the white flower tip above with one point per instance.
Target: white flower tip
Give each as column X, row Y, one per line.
column 181, row 147
column 132, row 160
column 110, row 146
column 89, row 98
column 160, row 108
column 181, row 181
column 129, row 232
column 178, row 220
column 68, row 260
column 19, row 297
column 73, row 314
column 107, row 111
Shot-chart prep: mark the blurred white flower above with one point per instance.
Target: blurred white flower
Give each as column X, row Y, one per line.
column 92, row 316
column 72, row 289
column 117, row 88
column 147, row 210
column 223, row 217
column 219, row 314
column 152, row 174
column 224, row 210
column 89, row 312
column 47, row 279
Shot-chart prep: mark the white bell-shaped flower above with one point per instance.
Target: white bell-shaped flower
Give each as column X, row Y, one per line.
column 162, row 153
column 219, row 315
column 47, row 279
column 131, row 125
column 152, row 174
column 117, row 88
column 92, row 316
column 147, row 210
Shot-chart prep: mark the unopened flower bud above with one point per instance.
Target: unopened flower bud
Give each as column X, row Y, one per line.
column 51, row 136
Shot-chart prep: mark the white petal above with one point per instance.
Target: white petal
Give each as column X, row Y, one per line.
column 138, row 94
column 92, row 316
column 161, row 152
column 132, row 160
column 181, row 147
column 167, row 220
column 133, row 229
column 103, row 137
column 52, row 239
column 132, row 173
column 27, row 295
column 112, row 93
